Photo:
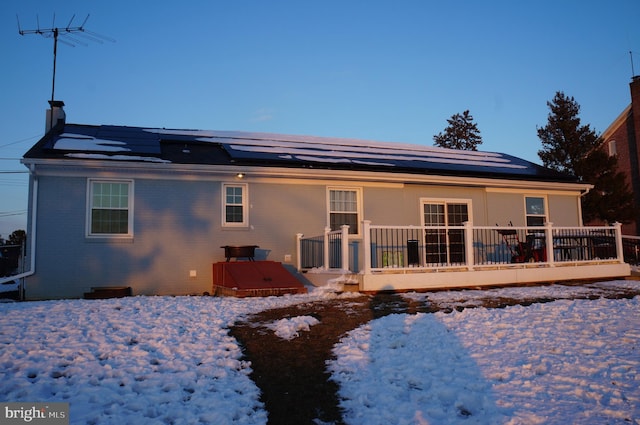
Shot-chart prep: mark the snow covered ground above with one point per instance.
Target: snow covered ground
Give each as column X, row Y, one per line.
column 170, row 360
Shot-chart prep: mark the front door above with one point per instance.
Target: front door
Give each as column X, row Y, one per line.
column 445, row 246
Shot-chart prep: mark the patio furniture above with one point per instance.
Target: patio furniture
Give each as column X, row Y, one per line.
column 532, row 250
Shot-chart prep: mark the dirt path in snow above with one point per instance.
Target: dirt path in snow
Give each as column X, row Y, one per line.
column 292, row 376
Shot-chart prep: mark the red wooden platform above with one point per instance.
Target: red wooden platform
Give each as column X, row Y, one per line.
column 254, row 279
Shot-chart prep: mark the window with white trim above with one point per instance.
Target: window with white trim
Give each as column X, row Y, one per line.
column 536, row 212
column 345, row 208
column 110, row 212
column 445, row 245
column 235, row 210
column 613, row 149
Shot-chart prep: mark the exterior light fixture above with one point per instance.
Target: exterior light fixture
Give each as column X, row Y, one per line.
column 240, row 175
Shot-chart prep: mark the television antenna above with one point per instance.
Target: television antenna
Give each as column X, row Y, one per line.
column 69, row 35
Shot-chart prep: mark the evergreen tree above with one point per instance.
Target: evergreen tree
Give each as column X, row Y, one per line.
column 461, row 133
column 17, row 237
column 570, row 147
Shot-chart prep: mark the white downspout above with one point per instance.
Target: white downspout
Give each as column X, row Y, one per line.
column 581, row 222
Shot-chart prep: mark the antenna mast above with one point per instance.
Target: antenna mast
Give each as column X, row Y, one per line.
column 633, row 73
column 65, row 34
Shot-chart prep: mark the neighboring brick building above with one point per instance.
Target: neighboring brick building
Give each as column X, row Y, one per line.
column 622, row 138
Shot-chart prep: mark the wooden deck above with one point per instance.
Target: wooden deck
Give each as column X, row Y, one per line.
column 407, row 279
column 401, row 258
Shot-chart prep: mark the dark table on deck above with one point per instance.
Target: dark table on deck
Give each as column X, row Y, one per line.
column 581, row 247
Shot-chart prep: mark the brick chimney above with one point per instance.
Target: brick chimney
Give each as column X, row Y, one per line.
column 635, row 106
column 56, row 114
column 633, row 140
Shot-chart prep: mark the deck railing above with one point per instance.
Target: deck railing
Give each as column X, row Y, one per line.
column 328, row 251
column 467, row 247
column 631, row 249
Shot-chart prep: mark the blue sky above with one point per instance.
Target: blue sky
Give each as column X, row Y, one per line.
column 378, row 70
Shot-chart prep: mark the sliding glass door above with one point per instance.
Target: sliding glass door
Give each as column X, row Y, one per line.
column 444, row 246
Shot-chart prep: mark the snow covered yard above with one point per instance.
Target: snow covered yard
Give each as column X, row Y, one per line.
column 553, row 363
column 132, row 360
column 171, row 360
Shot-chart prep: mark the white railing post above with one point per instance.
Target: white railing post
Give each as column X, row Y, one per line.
column 619, row 247
column 325, row 245
column 366, row 241
column 344, row 246
column 468, row 237
column 548, row 243
column 299, row 251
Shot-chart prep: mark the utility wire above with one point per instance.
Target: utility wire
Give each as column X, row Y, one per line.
column 12, row 213
column 26, row 139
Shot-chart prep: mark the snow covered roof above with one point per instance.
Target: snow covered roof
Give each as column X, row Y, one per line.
column 120, row 143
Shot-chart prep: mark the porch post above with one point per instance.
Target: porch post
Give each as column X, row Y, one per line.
column 619, row 247
column 468, row 244
column 548, row 243
column 299, row 251
column 325, row 246
column 345, row 246
column 366, row 241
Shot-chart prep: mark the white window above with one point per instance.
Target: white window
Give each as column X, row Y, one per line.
column 536, row 211
column 613, row 149
column 235, row 210
column 345, row 208
column 110, row 211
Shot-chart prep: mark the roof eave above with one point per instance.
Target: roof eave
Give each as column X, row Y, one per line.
column 175, row 171
column 620, row 120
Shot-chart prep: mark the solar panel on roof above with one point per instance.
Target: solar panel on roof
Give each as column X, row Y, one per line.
column 108, row 139
column 137, row 140
column 373, row 155
column 298, row 151
column 295, row 149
